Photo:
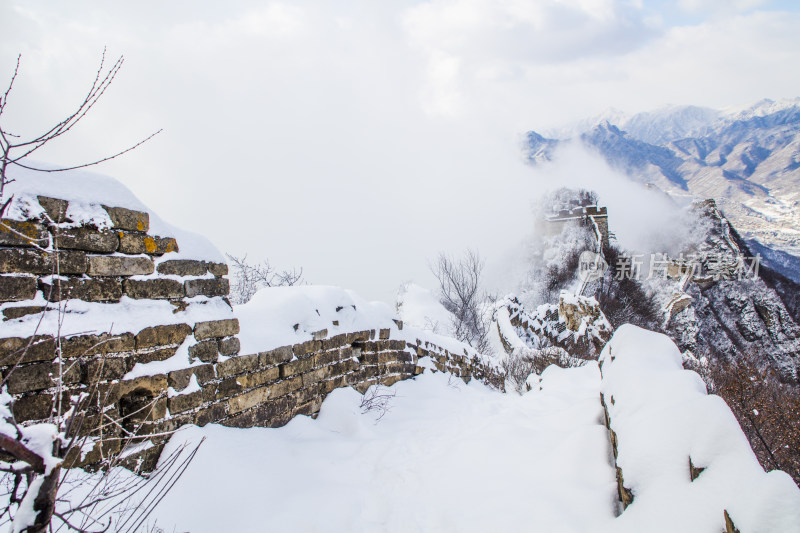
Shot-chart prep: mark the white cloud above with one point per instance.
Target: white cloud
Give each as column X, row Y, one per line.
column 358, row 138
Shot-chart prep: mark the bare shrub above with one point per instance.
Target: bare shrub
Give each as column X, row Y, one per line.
column 460, row 293
column 767, row 410
column 248, row 278
column 377, row 400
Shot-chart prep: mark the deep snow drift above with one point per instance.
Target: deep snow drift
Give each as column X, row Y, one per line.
column 446, row 457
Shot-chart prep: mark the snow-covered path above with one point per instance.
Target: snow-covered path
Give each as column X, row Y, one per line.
column 446, row 457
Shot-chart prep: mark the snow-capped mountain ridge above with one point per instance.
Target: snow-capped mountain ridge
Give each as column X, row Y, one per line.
column 748, row 160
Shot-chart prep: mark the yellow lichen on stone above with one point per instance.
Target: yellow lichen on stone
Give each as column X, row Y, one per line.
column 140, row 223
column 150, row 245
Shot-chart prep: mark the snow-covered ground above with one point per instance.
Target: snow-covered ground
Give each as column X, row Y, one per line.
column 445, row 457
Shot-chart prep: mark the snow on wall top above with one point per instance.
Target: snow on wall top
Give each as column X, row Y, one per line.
column 663, row 418
column 87, row 192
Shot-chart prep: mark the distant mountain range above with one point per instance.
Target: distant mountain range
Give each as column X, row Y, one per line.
column 748, row 160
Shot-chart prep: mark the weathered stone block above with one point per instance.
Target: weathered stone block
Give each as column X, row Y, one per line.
column 34, row 261
column 229, row 346
column 140, row 243
column 179, row 379
column 87, row 239
column 182, row 267
column 357, row 336
column 218, row 269
column 337, row 341
column 216, row 328
column 206, row 351
column 23, row 233
column 162, row 335
column 307, row 348
column 238, row 365
column 207, row 287
column 88, row 290
column 55, row 208
column 79, row 345
column 326, row 358
column 17, row 288
column 344, row 367
column 205, row 373
column 276, row 356
column 159, row 354
column 256, row 379
column 32, row 407
column 388, row 381
column 327, row 386
column 106, row 368
column 184, row 402
column 286, row 386
column 397, row 344
column 10, row 313
column 213, row 413
column 38, row 348
column 297, row 366
column 117, row 265
column 151, row 386
column 38, row 376
column 315, row 376
column 156, row 289
column 247, row 400
column 384, row 334
column 127, row 219
column 319, row 335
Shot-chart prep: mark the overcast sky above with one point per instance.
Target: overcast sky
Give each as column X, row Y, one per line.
column 358, row 138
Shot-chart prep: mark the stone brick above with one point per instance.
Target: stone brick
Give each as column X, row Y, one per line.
column 42, row 348
column 88, row 290
column 87, row 239
column 184, row 402
column 238, row 365
column 286, row 386
column 162, row 335
column 256, row 379
column 213, row 413
column 79, row 345
column 218, row 269
column 127, row 219
column 204, row 373
column 23, row 233
column 140, row 243
column 216, row 328
column 156, row 289
column 384, row 334
column 152, row 386
column 337, row 341
column 327, row 386
column 276, row 356
column 159, row 354
column 247, row 400
column 326, row 358
column 40, row 376
column 34, row 261
column 55, row 208
column 228, row 387
column 106, row 368
column 344, row 367
column 315, row 376
column 179, row 379
column 206, row 351
column 388, row 381
column 32, row 407
column 297, row 366
column 306, row 349
column 17, row 288
column 182, row 267
column 207, row 287
column 10, row 313
column 319, row 335
column 397, row 344
column 357, row 336
column 229, row 346
column 117, row 265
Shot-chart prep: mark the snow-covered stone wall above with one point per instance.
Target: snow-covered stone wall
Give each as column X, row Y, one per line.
column 93, row 301
column 683, row 463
